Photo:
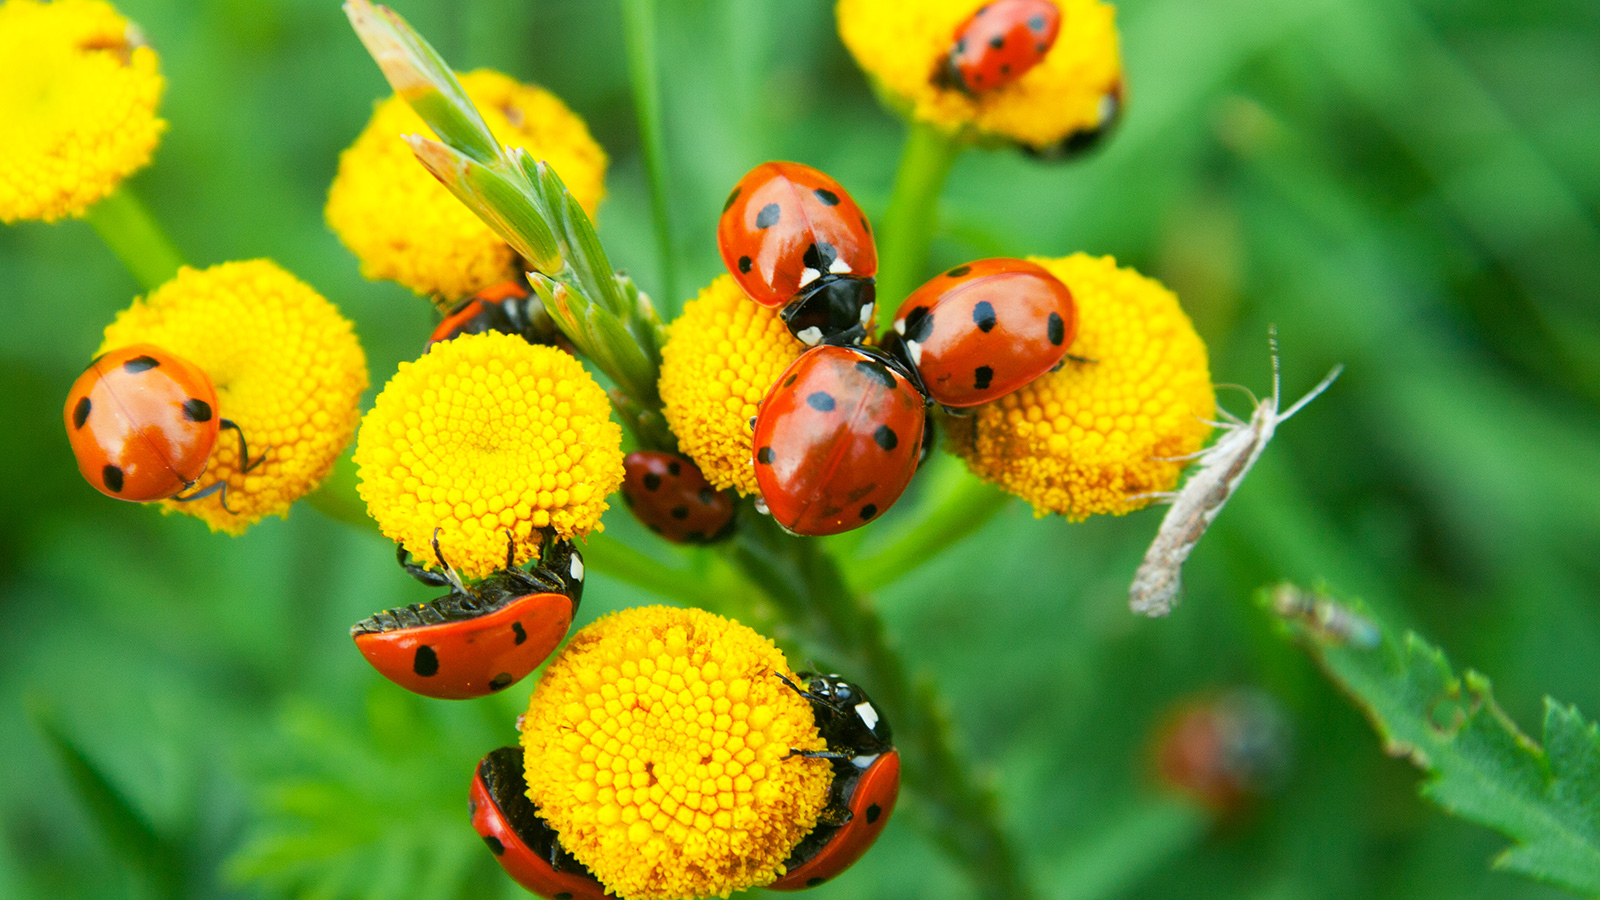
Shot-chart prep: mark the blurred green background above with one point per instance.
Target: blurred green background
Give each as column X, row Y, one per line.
column 1408, row 186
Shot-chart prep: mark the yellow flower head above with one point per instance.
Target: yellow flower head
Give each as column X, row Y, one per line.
column 486, row 434
column 78, row 95
column 655, row 746
column 1085, row 439
column 403, row 225
column 287, row 368
column 900, row 43
column 720, row 357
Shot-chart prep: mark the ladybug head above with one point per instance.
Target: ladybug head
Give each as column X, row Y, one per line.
column 845, row 715
column 835, row 309
column 561, row 563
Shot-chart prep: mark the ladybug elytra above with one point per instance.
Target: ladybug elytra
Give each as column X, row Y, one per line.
column 998, row 44
column 480, row 639
column 670, row 495
column 521, row 840
column 509, row 306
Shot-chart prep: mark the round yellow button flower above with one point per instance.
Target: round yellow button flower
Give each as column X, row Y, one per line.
column 287, row 368
column 720, row 358
column 483, row 435
column 405, row 226
column 656, row 746
column 1086, row 439
column 78, row 95
column 1075, row 89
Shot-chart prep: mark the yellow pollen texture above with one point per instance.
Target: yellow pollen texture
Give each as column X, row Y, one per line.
column 1083, row 440
column 900, row 44
column 655, row 745
column 78, row 96
column 483, row 435
column 720, row 358
column 405, row 226
column 287, row 368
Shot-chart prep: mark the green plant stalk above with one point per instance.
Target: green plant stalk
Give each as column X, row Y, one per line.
column 908, row 225
column 127, row 227
column 964, row 504
column 639, row 35
column 830, row 620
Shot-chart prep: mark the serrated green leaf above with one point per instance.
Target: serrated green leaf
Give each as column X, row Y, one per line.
column 1481, row 766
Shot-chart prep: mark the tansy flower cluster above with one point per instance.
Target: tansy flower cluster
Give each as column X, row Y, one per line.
column 78, row 103
column 405, row 226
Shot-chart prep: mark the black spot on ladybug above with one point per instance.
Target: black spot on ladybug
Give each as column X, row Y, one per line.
column 707, row 496
column 1005, row 68
column 886, row 437
column 653, row 527
column 80, row 413
column 961, row 46
column 472, row 807
column 821, row 401
column 112, row 476
column 744, row 265
column 981, row 377
column 983, row 316
column 495, row 847
column 876, row 370
column 768, row 216
column 731, row 197
column 426, row 662
column 563, row 895
column 519, row 631
column 140, row 364
column 674, row 469
column 958, row 271
column 865, row 226
column 501, row 682
column 813, row 882
column 868, row 511
column 764, row 456
column 680, row 512
column 695, row 537
column 1041, row 48
column 1058, row 329
column 820, row 256
column 919, row 325
column 826, row 196
column 651, row 481
column 790, row 380
column 1036, row 23
column 196, row 410
column 873, row 812
column 997, row 41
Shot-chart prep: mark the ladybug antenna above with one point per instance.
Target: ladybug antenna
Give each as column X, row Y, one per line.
column 814, row 699
column 452, row 577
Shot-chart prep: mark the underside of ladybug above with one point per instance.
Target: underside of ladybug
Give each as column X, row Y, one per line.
column 521, row 840
column 477, row 639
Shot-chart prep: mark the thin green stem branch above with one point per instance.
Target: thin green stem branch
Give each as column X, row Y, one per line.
column 639, row 34
column 909, row 223
column 127, row 227
column 963, row 504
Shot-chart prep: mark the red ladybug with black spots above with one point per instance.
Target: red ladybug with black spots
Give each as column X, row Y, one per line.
column 866, row 781
column 509, row 306
column 985, row 329
column 837, row 439
column 521, row 840
column 480, row 639
column 998, row 44
column 670, row 495
column 793, row 237
column 142, row 422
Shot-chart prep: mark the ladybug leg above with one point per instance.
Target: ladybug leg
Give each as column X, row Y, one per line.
column 813, row 754
column 451, row 577
column 426, row 576
column 220, row 487
column 511, row 550
column 1081, row 359
column 244, row 449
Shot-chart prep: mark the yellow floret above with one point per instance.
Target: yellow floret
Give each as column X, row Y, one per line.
column 405, row 226
column 1084, row 440
column 900, row 44
column 655, row 746
column 287, row 368
column 720, row 358
column 78, row 96
column 483, row 435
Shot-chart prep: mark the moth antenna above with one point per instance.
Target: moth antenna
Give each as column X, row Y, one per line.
column 1312, row 394
column 1272, row 342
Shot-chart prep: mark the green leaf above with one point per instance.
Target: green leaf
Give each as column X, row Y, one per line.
column 1481, row 767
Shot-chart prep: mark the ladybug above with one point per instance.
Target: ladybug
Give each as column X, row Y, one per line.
column 837, row 439
column 508, row 306
column 521, row 840
column 793, row 237
column 998, row 44
column 1085, row 139
column 1224, row 751
column 668, row 493
column 866, row 781
column 142, row 422
column 985, row 329
column 480, row 639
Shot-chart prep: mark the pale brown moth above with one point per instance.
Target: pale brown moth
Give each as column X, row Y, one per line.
column 1220, row 469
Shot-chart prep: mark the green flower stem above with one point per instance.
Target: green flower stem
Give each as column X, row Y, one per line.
column 806, row 586
column 337, row 497
column 963, row 504
column 127, row 227
column 639, row 34
column 908, row 225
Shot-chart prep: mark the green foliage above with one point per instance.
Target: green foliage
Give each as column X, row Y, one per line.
column 1480, row 765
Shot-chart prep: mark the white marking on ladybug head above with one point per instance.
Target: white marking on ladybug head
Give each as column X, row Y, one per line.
column 808, row 275
column 915, row 349
column 839, row 266
column 866, row 312
column 867, row 714
column 810, row 336
column 577, row 567
column 864, row 762
column 761, row 506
